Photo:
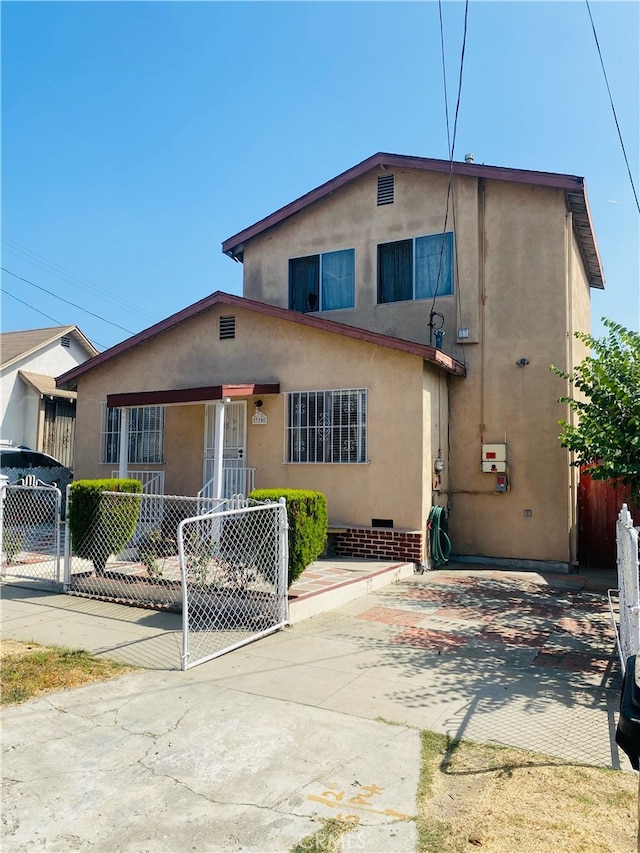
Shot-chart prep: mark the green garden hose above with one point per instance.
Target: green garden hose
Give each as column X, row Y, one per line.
column 439, row 542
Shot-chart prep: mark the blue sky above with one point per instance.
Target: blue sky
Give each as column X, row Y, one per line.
column 137, row 136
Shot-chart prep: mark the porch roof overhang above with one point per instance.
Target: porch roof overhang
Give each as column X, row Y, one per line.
column 46, row 385
column 184, row 396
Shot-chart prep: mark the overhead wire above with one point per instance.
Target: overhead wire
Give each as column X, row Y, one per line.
column 451, row 144
column 613, row 109
column 48, row 316
column 53, row 268
column 68, row 302
column 32, row 307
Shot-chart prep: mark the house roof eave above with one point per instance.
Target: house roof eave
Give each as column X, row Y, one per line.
column 573, row 186
column 57, row 333
column 436, row 357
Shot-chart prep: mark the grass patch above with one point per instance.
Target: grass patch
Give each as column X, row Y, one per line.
column 498, row 799
column 29, row 669
column 325, row 840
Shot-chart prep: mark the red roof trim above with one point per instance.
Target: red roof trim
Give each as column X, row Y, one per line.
column 234, row 246
column 436, row 357
column 188, row 395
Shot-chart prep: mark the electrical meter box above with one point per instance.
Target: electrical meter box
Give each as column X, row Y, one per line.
column 494, row 458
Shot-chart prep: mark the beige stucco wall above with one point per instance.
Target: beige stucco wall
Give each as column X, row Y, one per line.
column 350, row 218
column 520, row 290
column 523, row 315
column 269, row 350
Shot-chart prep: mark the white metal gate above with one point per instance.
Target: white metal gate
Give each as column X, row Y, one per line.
column 628, row 628
column 31, row 532
column 234, row 568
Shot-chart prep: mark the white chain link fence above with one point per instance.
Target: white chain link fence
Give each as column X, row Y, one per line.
column 132, row 562
column 31, row 531
column 627, row 627
column 234, row 579
column 222, row 564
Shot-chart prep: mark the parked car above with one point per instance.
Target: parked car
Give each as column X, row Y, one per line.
column 24, row 457
column 17, row 460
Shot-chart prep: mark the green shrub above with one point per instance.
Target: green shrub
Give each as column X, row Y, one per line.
column 308, row 522
column 101, row 524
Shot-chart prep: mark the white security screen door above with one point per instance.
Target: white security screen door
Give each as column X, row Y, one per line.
column 235, row 437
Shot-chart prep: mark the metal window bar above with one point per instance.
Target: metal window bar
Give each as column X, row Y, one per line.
column 146, row 435
column 327, row 426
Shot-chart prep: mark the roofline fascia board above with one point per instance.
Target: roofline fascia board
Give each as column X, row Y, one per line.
column 184, row 396
column 234, row 246
column 428, row 353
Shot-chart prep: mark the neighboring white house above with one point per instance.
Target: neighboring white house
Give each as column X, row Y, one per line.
column 34, row 412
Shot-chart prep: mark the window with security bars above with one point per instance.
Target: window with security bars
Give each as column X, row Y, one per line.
column 146, row 435
column 327, row 426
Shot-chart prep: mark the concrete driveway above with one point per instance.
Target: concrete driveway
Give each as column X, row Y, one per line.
column 248, row 751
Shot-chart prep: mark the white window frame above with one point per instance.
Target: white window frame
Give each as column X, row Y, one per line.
column 146, row 444
column 338, row 436
column 321, row 289
column 449, row 235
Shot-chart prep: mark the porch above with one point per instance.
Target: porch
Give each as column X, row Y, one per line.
column 164, row 428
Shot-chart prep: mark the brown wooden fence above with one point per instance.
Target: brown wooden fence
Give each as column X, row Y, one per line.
column 599, row 503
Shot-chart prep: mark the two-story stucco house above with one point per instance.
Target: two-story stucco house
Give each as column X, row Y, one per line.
column 391, row 349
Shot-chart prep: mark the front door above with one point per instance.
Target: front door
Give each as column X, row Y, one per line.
column 234, row 450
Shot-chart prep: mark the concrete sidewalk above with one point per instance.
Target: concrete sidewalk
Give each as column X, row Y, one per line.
column 242, row 753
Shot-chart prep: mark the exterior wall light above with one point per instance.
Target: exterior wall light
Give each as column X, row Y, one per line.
column 522, row 362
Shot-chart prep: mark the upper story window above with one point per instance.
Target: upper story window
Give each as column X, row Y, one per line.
column 322, row 282
column 146, row 435
column 419, row 268
column 327, row 426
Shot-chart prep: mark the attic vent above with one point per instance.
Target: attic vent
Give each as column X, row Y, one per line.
column 65, row 342
column 227, row 328
column 385, row 189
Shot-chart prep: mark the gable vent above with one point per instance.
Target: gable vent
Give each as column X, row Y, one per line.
column 227, row 328
column 65, row 342
column 385, row 189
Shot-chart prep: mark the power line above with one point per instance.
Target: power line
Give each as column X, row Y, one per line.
column 613, row 109
column 53, row 319
column 37, row 310
column 49, row 266
column 452, row 139
column 444, row 78
column 55, row 295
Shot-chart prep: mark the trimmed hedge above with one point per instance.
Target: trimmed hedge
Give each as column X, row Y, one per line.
column 308, row 522
column 101, row 527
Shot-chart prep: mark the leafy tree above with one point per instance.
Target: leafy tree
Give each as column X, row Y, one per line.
column 606, row 436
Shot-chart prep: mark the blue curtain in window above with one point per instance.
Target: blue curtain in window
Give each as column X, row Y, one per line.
column 434, row 265
column 338, row 279
column 395, row 271
column 304, row 284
